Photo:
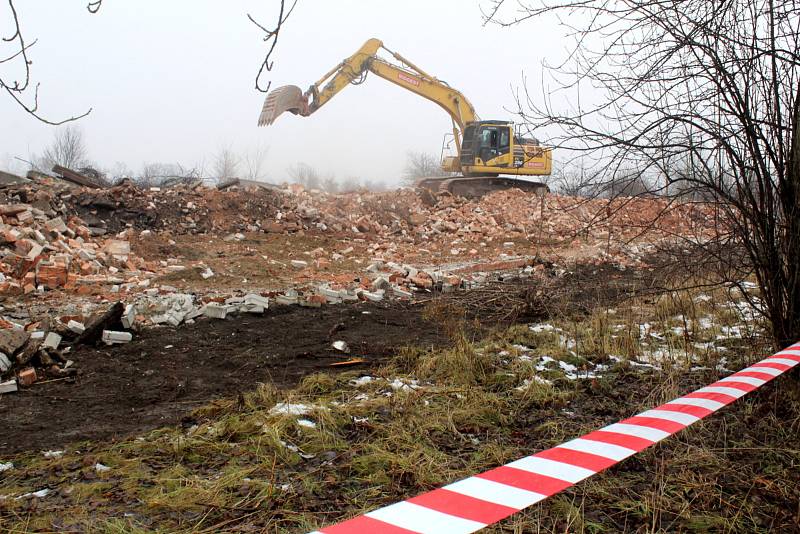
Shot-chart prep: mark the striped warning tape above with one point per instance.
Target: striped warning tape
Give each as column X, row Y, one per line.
column 475, row 502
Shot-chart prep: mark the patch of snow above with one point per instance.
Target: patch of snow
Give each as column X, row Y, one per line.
column 398, row 384
column 542, row 327
column 295, row 448
column 286, row 408
column 527, row 383
column 705, row 323
column 6, row 467
column 644, row 365
column 100, row 468
column 53, row 454
column 363, row 381
column 306, row 423
column 644, row 329
column 42, row 493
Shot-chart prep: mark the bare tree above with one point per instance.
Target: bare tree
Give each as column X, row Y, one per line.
column 330, row 184
column 305, row 175
column 349, row 185
column 120, row 171
column 68, row 149
column 254, row 161
column 420, row 165
column 21, row 89
column 157, row 174
column 626, row 183
column 226, row 165
column 713, row 84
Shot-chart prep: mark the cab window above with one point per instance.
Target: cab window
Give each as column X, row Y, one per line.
column 488, row 137
column 504, row 140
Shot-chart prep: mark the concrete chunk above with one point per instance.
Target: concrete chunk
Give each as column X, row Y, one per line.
column 399, row 292
column 76, row 327
column 373, row 297
column 286, row 299
column 9, row 386
column 128, row 316
column 253, row 299
column 51, row 341
column 111, row 337
column 12, row 340
column 215, row 311
column 5, row 363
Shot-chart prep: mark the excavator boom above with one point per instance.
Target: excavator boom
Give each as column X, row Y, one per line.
column 291, row 98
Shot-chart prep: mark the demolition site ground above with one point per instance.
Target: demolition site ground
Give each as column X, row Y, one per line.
column 158, row 379
column 404, row 346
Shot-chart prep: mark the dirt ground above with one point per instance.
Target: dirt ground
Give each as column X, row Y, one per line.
column 166, row 372
column 159, row 378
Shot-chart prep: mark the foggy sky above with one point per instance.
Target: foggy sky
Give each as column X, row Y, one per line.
column 173, row 81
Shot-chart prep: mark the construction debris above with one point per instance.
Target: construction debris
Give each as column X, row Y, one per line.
column 76, row 177
column 114, row 338
column 66, row 240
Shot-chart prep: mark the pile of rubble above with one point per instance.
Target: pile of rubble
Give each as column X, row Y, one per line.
column 56, row 233
column 40, row 350
column 40, row 250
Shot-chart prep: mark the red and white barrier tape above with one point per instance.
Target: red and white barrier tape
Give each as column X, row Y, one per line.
column 475, row 502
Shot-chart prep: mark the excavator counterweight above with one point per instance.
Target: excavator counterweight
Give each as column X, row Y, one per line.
column 490, row 153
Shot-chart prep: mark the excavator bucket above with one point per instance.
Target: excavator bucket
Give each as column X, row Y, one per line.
column 286, row 98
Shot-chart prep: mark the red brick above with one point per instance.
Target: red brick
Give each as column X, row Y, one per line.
column 27, row 376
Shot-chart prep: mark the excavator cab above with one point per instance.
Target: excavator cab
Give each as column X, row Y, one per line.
column 487, row 143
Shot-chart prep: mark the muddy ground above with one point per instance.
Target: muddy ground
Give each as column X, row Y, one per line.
column 159, row 378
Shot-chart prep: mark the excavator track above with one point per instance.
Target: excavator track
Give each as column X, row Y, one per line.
column 477, row 186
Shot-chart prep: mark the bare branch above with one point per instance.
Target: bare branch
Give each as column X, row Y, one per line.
column 702, row 100
column 271, row 37
column 19, row 89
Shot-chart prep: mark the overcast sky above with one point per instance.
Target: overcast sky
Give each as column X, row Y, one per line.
column 173, row 81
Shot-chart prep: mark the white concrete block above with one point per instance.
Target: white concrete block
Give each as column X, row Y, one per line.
column 215, row 311
column 111, row 337
column 399, row 292
column 51, row 341
column 254, row 299
column 76, row 327
column 5, row 363
column 286, row 299
column 9, row 386
column 374, row 297
column 129, row 316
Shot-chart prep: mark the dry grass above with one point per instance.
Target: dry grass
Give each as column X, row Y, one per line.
column 432, row 417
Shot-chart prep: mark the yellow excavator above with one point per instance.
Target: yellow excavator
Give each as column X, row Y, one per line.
column 488, row 152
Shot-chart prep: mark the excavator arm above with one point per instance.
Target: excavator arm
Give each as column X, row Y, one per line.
column 352, row 71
